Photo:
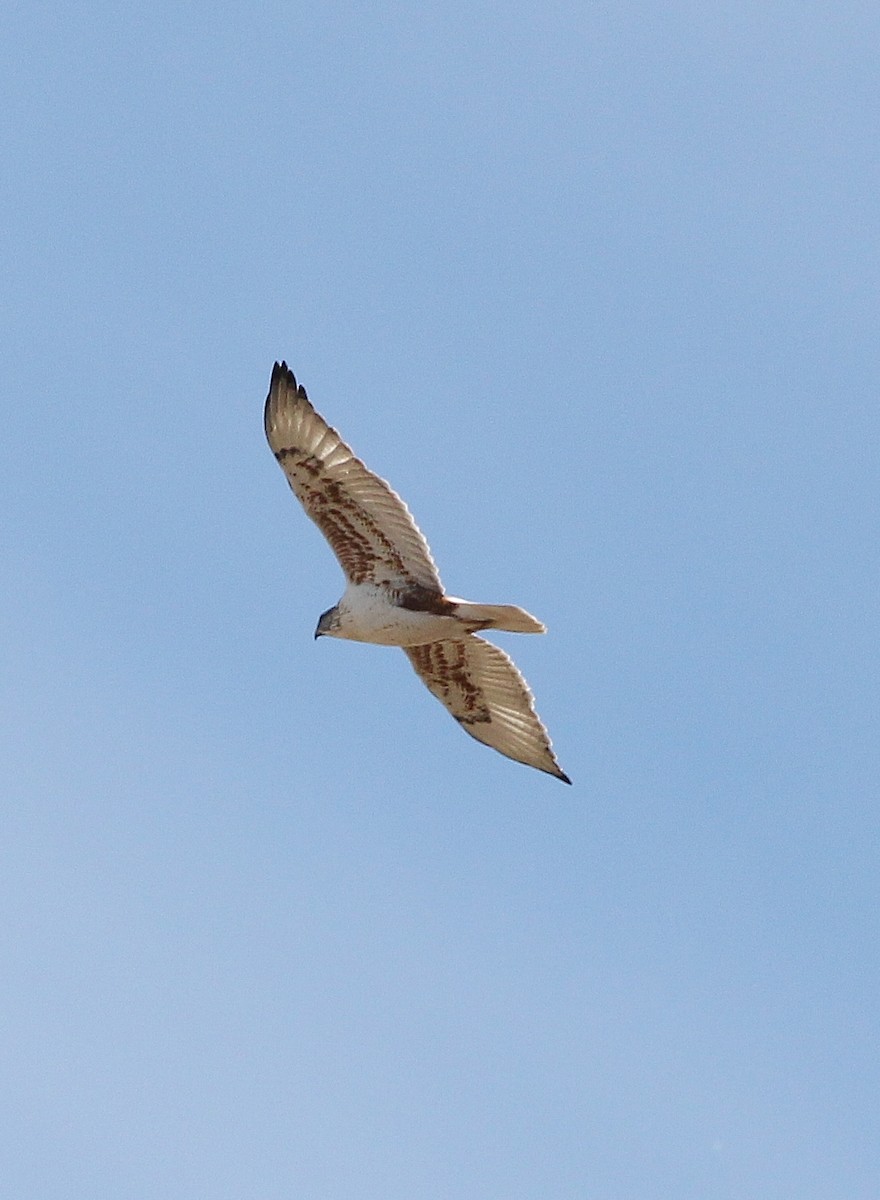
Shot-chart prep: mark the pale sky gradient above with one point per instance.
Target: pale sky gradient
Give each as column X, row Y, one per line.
column 595, row 286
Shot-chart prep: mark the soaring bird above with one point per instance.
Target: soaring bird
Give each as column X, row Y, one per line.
column 394, row 596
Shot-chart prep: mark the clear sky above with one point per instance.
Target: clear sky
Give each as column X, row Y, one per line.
column 596, row 287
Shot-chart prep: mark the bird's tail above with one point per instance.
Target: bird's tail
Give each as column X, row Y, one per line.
column 499, row 616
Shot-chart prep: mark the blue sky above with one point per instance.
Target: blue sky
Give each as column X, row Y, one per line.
column 596, row 287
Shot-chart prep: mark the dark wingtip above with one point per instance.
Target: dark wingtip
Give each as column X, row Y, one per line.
column 281, row 371
column 562, row 775
column 283, row 389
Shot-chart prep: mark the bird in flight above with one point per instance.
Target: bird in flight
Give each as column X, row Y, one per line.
column 394, row 596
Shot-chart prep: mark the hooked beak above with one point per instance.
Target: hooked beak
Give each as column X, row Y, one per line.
column 325, row 622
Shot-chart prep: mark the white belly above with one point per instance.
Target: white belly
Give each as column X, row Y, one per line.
column 366, row 616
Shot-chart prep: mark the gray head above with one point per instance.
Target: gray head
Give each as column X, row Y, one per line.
column 328, row 622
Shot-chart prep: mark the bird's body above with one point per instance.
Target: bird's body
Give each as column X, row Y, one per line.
column 394, row 596
column 364, row 614
column 368, row 612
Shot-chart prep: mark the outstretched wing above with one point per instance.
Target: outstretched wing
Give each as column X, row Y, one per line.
column 368, row 526
column 479, row 684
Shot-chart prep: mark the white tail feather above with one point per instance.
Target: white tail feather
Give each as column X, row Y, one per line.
column 499, row 616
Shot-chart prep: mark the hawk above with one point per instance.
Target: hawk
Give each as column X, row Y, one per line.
column 394, row 596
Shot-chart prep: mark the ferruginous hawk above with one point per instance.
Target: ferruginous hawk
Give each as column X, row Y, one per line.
column 394, row 595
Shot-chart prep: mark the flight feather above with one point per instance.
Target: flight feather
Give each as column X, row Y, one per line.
column 481, row 687
column 369, row 528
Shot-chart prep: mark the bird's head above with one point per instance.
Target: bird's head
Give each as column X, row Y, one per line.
column 328, row 623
